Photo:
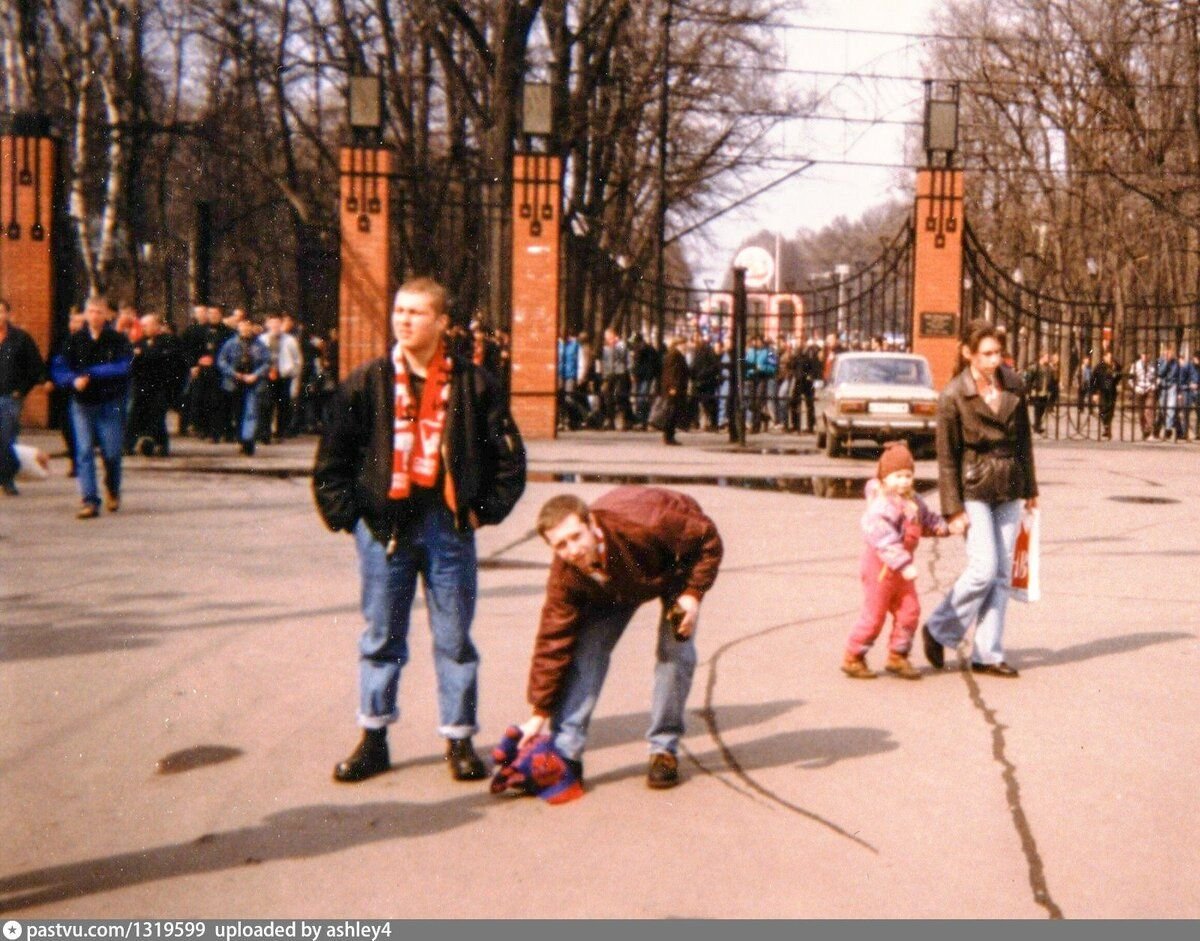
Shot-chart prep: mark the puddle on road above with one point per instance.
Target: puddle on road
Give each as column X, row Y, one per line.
column 830, row 488
column 225, row 470
column 782, row 450
column 1150, row 501
column 199, row 757
column 825, row 487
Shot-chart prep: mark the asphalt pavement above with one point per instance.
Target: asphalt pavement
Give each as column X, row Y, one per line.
column 178, row 679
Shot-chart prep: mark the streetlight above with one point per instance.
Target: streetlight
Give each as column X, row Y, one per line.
column 941, row 123
column 364, row 105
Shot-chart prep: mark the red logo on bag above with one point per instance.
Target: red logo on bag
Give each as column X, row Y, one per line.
column 1020, row 572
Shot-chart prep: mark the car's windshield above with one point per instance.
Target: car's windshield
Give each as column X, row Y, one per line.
column 899, row 371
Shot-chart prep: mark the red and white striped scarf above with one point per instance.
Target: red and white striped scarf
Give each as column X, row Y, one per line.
column 417, row 433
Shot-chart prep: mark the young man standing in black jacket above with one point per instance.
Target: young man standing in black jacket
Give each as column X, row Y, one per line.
column 420, row 451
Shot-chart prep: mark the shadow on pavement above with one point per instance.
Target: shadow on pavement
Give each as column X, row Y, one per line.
column 96, row 628
column 299, row 833
column 631, row 727
column 1030, row 658
column 809, row 749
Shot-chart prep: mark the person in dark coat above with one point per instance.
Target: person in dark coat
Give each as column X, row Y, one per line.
column 21, row 368
column 674, row 388
column 156, row 370
column 1106, row 381
column 706, row 380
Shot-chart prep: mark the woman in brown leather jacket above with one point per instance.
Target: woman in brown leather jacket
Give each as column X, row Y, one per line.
column 985, row 475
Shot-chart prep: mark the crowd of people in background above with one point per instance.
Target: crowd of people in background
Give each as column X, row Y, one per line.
column 624, row 384
column 1162, row 393
column 229, row 376
column 621, row 385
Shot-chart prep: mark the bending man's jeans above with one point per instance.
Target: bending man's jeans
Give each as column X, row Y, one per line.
column 10, row 415
column 103, row 424
column 675, row 663
column 980, row 596
column 444, row 558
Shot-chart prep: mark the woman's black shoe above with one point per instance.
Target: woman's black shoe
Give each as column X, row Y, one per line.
column 934, row 652
column 369, row 759
column 995, row 669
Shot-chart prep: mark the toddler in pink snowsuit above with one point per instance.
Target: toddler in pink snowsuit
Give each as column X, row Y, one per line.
column 894, row 522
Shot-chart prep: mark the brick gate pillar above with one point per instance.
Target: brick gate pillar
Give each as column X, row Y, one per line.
column 27, row 162
column 536, row 218
column 938, row 270
column 365, row 283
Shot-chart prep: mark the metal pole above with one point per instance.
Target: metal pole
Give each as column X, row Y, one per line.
column 737, row 371
column 660, row 300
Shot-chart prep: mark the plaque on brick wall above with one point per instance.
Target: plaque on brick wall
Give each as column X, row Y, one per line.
column 938, row 324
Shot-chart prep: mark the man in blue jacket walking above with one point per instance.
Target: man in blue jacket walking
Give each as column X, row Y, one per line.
column 94, row 366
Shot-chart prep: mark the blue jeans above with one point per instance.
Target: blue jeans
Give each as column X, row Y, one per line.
column 10, row 416
column 1168, row 399
column 445, row 560
column 245, row 401
column 101, row 423
column 643, row 396
column 980, row 596
column 675, row 662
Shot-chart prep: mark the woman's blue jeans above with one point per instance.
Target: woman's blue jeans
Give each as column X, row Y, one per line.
column 980, row 596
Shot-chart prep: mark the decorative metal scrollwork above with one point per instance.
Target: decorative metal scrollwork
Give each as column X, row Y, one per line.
column 538, row 189
column 942, row 216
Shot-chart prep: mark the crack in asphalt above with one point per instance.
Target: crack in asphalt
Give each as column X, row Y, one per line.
column 709, row 715
column 1012, row 788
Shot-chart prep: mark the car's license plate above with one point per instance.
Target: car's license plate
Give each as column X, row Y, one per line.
column 888, row 408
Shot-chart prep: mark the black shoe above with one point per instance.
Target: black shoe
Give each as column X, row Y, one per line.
column 995, row 669
column 369, row 759
column 10, row 488
column 576, row 767
column 248, row 448
column 670, row 441
column 465, row 765
column 934, row 652
column 664, row 771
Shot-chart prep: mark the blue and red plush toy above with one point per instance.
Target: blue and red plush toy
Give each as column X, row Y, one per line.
column 538, row 769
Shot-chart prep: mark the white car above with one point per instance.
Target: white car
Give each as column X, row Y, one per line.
column 877, row 397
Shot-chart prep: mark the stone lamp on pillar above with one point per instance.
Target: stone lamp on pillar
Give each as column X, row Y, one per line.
column 938, row 252
column 536, row 222
column 364, row 292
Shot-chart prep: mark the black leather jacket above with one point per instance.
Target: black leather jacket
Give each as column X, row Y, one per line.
column 482, row 452
column 983, row 455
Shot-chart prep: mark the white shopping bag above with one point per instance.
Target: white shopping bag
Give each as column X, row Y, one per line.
column 1024, row 584
column 34, row 462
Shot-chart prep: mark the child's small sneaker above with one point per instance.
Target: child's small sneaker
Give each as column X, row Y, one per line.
column 856, row 668
column 898, row 665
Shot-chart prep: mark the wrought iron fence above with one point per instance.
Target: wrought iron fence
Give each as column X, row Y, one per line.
column 1078, row 356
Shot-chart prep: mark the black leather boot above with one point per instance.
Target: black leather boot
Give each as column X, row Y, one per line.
column 465, row 765
column 369, row 759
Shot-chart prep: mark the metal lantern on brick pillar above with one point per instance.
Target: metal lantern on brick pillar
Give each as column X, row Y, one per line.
column 937, row 252
column 536, row 221
column 366, row 282
column 27, row 184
